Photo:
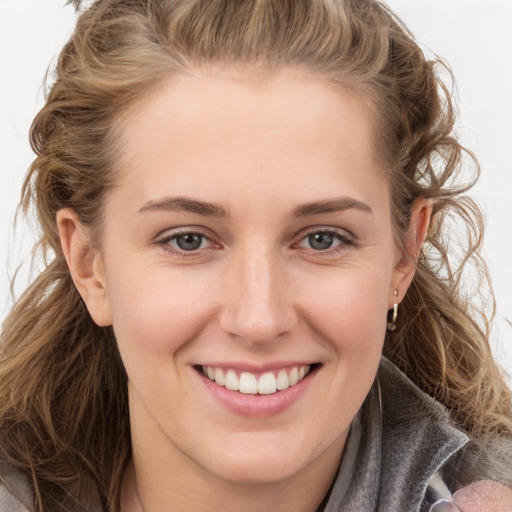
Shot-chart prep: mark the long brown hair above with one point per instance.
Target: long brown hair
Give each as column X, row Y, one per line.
column 63, row 399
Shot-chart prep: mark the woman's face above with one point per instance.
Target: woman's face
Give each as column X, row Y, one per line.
column 248, row 242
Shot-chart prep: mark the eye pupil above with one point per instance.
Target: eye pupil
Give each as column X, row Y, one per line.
column 321, row 241
column 189, row 241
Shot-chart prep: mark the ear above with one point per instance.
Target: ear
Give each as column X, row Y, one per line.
column 85, row 265
column 421, row 214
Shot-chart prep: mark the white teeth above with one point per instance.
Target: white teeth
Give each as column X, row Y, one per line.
column 219, row 377
column 293, row 378
column 267, row 384
column 248, row 383
column 282, row 380
column 231, row 380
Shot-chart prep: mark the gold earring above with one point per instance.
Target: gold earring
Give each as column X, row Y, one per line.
column 392, row 324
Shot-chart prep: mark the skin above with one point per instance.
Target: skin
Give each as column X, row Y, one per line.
column 255, row 291
column 484, row 496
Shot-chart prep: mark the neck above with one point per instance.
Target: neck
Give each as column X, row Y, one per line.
column 297, row 494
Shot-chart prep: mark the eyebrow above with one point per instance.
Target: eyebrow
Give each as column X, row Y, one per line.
column 188, row 205
column 216, row 210
column 330, row 206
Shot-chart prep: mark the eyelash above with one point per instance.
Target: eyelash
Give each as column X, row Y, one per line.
column 345, row 240
column 165, row 243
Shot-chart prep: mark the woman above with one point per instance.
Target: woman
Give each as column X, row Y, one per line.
column 245, row 205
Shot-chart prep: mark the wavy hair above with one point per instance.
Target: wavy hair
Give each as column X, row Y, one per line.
column 63, row 398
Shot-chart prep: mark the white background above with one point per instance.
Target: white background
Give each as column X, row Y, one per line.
column 474, row 36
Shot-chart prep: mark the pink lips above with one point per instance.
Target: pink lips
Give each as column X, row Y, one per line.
column 255, row 405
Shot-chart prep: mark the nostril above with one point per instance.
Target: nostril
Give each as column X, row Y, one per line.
column 257, row 328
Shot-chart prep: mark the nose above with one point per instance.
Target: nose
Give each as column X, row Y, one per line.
column 257, row 298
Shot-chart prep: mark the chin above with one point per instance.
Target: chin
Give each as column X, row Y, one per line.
column 260, row 470
column 263, row 458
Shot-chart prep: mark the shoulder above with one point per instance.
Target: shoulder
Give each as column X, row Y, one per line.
column 482, row 496
column 15, row 494
column 442, row 463
column 8, row 503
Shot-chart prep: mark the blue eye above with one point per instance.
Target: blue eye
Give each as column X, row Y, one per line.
column 323, row 240
column 186, row 241
column 189, row 241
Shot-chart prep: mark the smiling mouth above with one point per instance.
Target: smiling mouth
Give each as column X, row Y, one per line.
column 249, row 383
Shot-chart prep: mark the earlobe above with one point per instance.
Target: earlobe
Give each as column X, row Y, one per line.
column 85, row 266
column 421, row 213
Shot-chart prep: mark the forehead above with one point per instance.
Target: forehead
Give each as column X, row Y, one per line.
column 214, row 129
column 263, row 94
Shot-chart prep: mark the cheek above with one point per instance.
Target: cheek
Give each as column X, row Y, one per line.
column 156, row 311
column 349, row 309
column 348, row 316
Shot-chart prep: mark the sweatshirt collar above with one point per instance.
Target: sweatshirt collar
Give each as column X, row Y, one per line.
column 399, row 439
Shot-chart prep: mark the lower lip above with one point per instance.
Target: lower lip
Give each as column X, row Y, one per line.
column 258, row 406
